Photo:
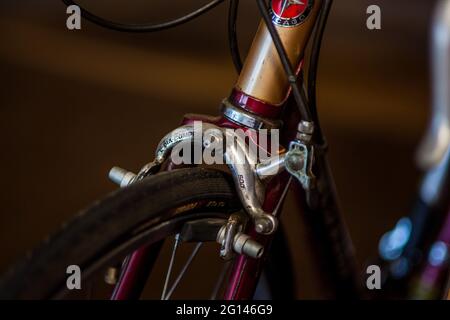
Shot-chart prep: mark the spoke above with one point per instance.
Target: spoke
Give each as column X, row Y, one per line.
column 219, row 282
column 183, row 271
column 169, row 269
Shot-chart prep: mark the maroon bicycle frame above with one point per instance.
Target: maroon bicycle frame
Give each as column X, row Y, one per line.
column 263, row 90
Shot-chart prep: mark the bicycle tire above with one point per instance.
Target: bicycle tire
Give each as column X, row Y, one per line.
column 124, row 220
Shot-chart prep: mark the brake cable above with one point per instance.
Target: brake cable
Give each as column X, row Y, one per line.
column 287, row 66
column 144, row 27
column 306, row 105
column 313, row 67
column 232, row 35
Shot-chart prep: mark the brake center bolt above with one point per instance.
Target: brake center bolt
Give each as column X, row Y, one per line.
column 296, row 161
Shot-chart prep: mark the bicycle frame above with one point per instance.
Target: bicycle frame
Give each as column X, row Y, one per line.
column 262, row 90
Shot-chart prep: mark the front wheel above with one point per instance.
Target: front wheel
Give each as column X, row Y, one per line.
column 141, row 215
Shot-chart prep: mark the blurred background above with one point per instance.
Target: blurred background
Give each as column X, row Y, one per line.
column 75, row 103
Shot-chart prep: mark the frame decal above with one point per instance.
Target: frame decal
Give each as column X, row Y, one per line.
column 290, row 13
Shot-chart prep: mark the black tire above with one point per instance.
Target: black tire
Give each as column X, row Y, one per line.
column 143, row 213
column 117, row 225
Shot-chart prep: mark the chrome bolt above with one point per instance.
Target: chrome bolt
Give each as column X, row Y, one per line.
column 243, row 244
column 306, row 127
column 121, row 176
column 305, row 130
column 263, row 226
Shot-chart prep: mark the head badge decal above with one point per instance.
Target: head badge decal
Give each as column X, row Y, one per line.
column 290, row 13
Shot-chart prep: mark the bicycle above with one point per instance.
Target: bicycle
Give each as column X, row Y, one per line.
column 239, row 204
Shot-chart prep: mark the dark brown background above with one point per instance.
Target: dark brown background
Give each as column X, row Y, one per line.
column 75, row 103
